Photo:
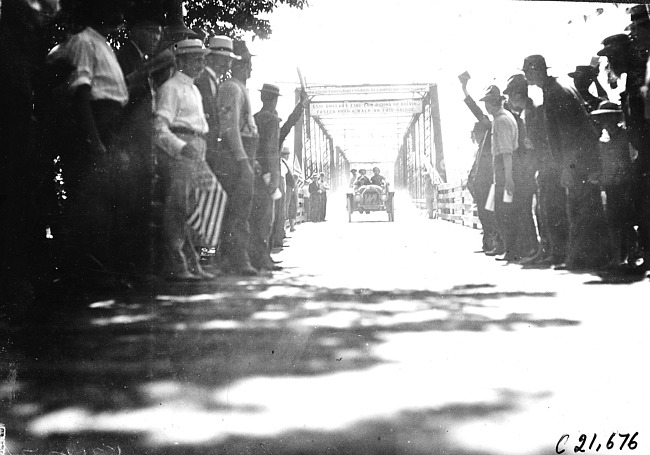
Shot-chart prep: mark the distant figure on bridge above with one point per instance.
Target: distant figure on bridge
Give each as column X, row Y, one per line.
column 377, row 178
column 362, row 180
column 324, row 187
column 353, row 177
column 315, row 194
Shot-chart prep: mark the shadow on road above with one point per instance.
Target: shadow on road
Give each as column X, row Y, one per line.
column 116, row 372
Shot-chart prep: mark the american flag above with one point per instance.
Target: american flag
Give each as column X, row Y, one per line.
column 207, row 217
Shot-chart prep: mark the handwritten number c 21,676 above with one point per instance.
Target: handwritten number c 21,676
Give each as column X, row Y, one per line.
column 627, row 440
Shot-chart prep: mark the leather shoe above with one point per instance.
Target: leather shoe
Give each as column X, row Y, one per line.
column 495, row 252
column 204, row 275
column 182, row 276
column 244, row 270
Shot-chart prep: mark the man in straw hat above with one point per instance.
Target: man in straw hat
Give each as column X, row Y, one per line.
column 180, row 128
column 267, row 183
column 505, row 137
column 218, row 63
column 574, row 146
column 234, row 161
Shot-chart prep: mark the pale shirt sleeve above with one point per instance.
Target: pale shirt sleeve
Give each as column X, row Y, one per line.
column 229, row 102
column 504, row 136
column 82, row 55
column 166, row 106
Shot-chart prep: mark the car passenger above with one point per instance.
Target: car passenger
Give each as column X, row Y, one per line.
column 362, row 180
column 377, row 179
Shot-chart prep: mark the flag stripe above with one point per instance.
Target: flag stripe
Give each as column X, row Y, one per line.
column 207, row 217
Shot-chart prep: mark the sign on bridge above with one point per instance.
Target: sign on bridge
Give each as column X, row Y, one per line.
column 407, row 106
column 366, row 89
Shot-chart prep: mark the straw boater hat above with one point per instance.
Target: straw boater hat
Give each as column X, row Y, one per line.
column 222, row 45
column 190, row 46
column 271, row 89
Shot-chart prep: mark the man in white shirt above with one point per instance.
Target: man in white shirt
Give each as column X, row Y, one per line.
column 234, row 162
column 179, row 132
column 99, row 93
column 505, row 140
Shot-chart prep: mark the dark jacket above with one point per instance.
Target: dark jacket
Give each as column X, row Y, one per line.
column 572, row 136
column 268, row 127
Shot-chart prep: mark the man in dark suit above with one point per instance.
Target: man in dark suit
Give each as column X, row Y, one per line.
column 266, row 189
column 134, row 236
column 574, row 147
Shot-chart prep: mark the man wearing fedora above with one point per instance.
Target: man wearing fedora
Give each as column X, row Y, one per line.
column 234, row 160
column 267, row 181
column 505, row 140
column 533, row 145
column 622, row 59
column 287, row 182
column 583, row 78
column 481, row 175
column 179, row 132
column 574, row 146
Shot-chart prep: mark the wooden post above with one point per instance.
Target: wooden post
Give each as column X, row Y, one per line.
column 297, row 137
column 437, row 132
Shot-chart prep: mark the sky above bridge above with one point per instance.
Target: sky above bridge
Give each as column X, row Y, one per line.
column 423, row 41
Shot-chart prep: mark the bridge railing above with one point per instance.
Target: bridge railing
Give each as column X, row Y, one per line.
column 453, row 202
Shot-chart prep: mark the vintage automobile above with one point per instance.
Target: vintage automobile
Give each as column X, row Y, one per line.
column 371, row 198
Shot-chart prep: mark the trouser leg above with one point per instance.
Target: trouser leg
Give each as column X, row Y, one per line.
column 504, row 214
column 235, row 229
column 261, row 224
column 174, row 230
column 554, row 206
column 588, row 244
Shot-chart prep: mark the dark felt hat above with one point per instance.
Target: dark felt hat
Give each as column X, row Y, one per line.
column 583, row 71
column 241, row 48
column 516, row 84
column 534, row 62
column 639, row 14
column 615, row 44
column 271, row 89
column 493, row 95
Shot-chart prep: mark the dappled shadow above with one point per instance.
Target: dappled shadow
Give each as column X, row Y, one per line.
column 181, row 345
column 418, row 431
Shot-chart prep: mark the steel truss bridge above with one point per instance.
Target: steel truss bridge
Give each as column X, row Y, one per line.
column 397, row 124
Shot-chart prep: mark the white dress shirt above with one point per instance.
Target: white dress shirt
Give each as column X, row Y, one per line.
column 95, row 65
column 178, row 105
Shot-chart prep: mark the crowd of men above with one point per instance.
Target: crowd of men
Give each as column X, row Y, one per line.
column 567, row 183
column 158, row 151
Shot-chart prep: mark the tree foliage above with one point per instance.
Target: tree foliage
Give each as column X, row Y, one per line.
column 233, row 18
column 217, row 17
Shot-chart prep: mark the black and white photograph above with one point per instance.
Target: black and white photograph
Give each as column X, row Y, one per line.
column 324, row 227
